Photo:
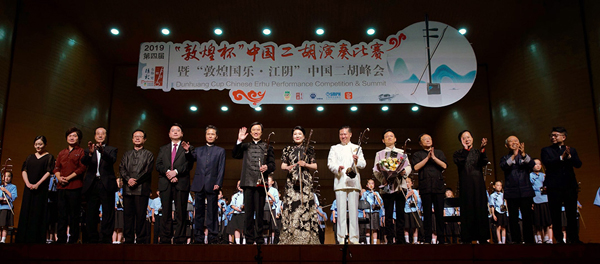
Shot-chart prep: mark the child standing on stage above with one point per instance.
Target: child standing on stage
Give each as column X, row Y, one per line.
column 412, row 219
column 452, row 228
column 236, row 225
column 541, row 211
column 374, row 199
column 119, row 221
column 8, row 196
column 499, row 213
column 52, row 213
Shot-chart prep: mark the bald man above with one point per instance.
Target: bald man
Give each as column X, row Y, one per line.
column 518, row 190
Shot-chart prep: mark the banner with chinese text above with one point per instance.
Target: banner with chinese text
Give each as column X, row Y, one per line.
column 319, row 72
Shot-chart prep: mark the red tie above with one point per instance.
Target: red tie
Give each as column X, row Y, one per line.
column 173, row 153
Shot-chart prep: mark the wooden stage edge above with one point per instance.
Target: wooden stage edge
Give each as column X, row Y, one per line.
column 22, row 253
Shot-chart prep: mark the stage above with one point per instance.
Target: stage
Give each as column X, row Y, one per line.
column 583, row 253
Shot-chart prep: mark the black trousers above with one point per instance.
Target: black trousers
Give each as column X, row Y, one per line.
column 388, row 203
column 156, row 228
column 254, row 203
column 335, row 229
column 69, row 214
column 556, row 198
column 148, row 228
column 206, row 215
column 167, row 230
column 437, row 199
column 98, row 195
column 524, row 204
column 134, row 217
column 322, row 235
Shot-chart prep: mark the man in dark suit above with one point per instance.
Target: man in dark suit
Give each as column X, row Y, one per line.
column 561, row 184
column 258, row 160
column 208, row 179
column 99, row 187
column 174, row 184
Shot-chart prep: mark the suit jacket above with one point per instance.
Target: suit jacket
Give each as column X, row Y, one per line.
column 210, row 167
column 108, row 157
column 137, row 164
column 252, row 153
column 560, row 173
column 181, row 164
column 516, row 176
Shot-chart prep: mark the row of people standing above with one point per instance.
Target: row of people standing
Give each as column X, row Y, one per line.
column 430, row 163
column 89, row 173
column 175, row 160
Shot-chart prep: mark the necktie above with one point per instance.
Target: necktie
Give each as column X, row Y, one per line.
column 173, row 153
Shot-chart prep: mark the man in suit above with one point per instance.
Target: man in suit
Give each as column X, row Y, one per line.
column 258, row 158
column 99, row 186
column 174, row 184
column 561, row 184
column 208, row 179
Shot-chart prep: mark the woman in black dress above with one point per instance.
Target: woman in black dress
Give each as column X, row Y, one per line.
column 36, row 171
column 299, row 216
column 473, row 194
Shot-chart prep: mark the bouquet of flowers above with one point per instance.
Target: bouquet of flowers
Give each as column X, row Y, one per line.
column 392, row 162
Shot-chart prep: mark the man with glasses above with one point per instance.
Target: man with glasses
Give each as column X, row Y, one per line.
column 561, row 183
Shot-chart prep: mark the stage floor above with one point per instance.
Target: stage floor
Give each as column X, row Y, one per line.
column 563, row 254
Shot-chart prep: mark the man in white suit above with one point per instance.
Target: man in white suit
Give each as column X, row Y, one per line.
column 346, row 185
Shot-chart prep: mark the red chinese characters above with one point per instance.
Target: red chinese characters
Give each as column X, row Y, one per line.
column 326, row 51
column 253, row 52
column 361, row 50
column 268, row 52
column 226, row 52
column 209, row 52
column 377, row 52
column 190, row 52
column 343, row 52
column 308, row 51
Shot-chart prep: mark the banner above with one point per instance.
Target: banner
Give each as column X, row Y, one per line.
column 319, row 72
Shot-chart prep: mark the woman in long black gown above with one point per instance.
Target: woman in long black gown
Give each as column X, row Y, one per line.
column 299, row 217
column 473, row 197
column 36, row 171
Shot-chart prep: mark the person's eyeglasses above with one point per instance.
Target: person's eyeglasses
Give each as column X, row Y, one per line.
column 555, row 135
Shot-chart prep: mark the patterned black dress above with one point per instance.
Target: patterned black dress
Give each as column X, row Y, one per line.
column 299, row 219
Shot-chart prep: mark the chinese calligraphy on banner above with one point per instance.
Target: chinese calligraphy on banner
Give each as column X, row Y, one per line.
column 318, row 72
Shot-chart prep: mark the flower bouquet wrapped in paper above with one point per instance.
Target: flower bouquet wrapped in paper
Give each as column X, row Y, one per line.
column 391, row 164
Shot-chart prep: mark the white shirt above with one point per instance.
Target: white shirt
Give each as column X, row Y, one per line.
column 341, row 155
column 98, row 167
